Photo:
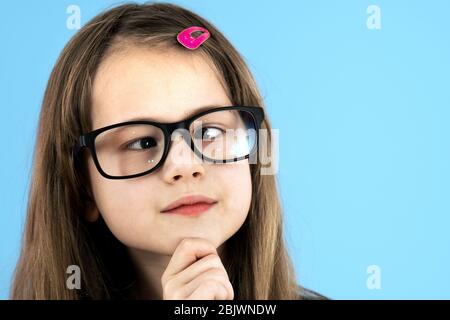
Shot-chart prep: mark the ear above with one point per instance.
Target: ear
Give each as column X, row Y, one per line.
column 92, row 213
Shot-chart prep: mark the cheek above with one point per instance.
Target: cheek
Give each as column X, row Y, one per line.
column 236, row 187
column 127, row 206
column 235, row 190
column 130, row 208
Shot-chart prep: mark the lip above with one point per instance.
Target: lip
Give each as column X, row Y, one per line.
column 190, row 205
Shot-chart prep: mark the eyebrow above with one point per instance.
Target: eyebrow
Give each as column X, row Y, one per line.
column 196, row 111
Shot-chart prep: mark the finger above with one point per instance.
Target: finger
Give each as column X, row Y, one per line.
column 179, row 285
column 214, row 275
column 188, row 251
column 211, row 261
column 210, row 290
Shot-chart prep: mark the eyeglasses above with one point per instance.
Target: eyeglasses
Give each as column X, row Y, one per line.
column 136, row 148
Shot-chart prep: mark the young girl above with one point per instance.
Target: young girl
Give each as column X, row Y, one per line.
column 135, row 185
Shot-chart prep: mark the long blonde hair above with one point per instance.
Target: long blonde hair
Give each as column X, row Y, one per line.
column 56, row 234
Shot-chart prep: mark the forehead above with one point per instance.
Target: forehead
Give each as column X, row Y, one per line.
column 158, row 85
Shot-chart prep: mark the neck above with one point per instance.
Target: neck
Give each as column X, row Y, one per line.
column 149, row 268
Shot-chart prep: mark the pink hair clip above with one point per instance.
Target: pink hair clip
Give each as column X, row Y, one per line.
column 187, row 40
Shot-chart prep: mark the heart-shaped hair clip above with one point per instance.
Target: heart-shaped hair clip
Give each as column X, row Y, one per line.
column 188, row 41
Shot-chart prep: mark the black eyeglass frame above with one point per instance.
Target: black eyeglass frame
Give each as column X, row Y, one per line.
column 88, row 140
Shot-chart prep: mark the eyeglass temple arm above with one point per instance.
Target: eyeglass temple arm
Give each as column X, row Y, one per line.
column 260, row 116
column 80, row 144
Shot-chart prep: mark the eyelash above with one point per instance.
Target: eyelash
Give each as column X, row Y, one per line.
column 127, row 146
column 202, row 135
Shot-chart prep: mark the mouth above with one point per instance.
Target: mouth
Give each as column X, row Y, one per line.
column 190, row 205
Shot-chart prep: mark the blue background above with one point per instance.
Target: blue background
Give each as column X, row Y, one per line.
column 363, row 121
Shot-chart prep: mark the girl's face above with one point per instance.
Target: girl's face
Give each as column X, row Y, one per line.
column 165, row 86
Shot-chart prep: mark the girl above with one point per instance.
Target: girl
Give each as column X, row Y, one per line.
column 135, row 185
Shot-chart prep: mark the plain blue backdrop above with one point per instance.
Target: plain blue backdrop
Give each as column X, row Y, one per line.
column 363, row 117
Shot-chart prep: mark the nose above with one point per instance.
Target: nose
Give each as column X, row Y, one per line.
column 181, row 163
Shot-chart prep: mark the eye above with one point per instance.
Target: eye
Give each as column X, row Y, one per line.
column 142, row 144
column 209, row 133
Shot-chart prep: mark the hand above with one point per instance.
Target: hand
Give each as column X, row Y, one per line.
column 195, row 272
